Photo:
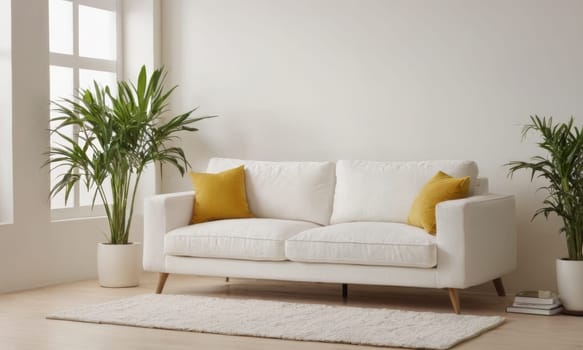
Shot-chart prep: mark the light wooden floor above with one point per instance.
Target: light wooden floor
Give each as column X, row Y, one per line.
column 23, row 326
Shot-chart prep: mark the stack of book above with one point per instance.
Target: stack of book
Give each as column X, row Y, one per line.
column 540, row 302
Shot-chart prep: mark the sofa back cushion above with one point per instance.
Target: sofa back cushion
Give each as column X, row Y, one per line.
column 286, row 190
column 385, row 191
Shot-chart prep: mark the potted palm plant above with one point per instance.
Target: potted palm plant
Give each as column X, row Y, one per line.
column 119, row 134
column 562, row 168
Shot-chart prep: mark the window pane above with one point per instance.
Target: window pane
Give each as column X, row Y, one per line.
column 86, row 196
column 61, row 26
column 6, row 192
column 58, row 201
column 61, row 87
column 97, row 33
column 87, row 76
column 61, row 82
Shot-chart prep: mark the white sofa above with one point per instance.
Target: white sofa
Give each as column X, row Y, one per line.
column 340, row 222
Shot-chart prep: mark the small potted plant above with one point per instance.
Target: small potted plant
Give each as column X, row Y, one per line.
column 118, row 135
column 561, row 166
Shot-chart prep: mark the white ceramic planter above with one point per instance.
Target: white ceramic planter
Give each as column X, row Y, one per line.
column 570, row 283
column 118, row 265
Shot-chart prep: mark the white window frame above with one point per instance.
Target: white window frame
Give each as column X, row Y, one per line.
column 76, row 62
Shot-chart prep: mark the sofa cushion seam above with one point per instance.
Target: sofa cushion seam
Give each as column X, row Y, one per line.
column 362, row 243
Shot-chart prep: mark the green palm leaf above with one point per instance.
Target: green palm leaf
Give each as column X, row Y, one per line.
column 118, row 135
column 562, row 168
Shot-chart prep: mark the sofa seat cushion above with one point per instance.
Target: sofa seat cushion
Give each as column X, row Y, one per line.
column 365, row 243
column 248, row 239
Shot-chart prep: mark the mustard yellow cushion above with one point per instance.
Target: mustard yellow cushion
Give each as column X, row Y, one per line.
column 220, row 196
column 441, row 187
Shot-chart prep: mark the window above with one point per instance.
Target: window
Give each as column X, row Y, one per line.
column 84, row 44
column 6, row 191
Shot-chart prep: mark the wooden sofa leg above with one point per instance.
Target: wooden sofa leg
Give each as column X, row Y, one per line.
column 455, row 299
column 499, row 287
column 344, row 290
column 162, row 277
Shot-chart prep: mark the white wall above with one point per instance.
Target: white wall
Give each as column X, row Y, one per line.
column 384, row 80
column 141, row 46
column 35, row 251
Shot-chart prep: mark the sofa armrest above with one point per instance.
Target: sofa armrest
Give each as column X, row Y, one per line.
column 163, row 213
column 476, row 240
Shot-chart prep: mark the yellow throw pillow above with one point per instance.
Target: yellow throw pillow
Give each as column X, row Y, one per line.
column 441, row 187
column 220, row 196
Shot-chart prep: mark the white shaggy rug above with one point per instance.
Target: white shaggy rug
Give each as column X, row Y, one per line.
column 295, row 321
